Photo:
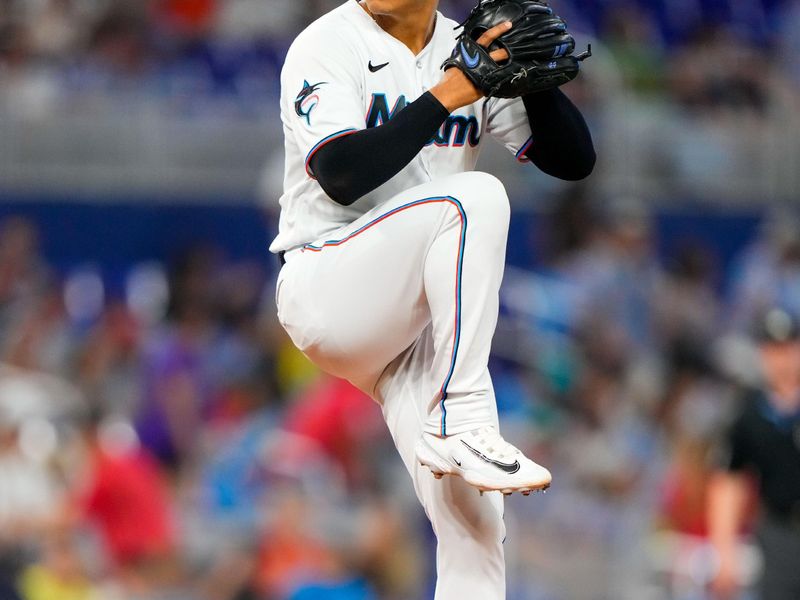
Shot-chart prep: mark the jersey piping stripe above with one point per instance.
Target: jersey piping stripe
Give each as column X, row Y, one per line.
column 459, row 276
column 520, row 155
column 321, row 143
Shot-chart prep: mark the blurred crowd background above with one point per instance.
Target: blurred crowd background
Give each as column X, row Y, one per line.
column 159, row 436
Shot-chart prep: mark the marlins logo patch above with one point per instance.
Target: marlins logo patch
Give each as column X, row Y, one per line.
column 306, row 100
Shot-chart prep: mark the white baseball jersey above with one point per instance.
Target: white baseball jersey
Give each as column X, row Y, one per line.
column 343, row 74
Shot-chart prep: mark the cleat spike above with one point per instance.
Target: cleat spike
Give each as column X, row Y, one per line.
column 438, row 475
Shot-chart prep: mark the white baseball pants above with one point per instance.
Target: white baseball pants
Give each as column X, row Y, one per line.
column 403, row 303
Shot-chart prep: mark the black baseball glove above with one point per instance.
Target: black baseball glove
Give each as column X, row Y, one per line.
column 538, row 45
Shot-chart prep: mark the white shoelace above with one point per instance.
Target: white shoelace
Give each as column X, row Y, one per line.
column 492, row 444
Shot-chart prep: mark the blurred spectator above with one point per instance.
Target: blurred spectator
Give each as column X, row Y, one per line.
column 249, row 19
column 617, row 276
column 342, row 422
column 685, row 488
column 107, row 363
column 30, row 493
column 177, row 386
column 56, row 29
column 187, row 18
column 235, row 480
column 23, row 274
column 291, row 554
column 40, row 338
column 787, row 21
column 768, row 272
column 119, row 41
column 685, row 303
column 634, row 44
column 127, row 498
column 608, row 450
column 58, row 576
column 715, row 72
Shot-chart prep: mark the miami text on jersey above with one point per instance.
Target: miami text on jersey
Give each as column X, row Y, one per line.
column 456, row 131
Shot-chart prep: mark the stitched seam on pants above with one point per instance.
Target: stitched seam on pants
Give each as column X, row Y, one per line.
column 459, row 270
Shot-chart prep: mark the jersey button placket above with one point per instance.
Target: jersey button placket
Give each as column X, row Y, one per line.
column 420, row 77
column 422, row 88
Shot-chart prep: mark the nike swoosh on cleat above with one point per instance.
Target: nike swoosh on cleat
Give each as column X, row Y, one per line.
column 470, row 61
column 375, row 68
column 508, row 468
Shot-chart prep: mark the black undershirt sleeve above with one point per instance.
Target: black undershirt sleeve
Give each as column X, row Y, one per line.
column 351, row 166
column 561, row 143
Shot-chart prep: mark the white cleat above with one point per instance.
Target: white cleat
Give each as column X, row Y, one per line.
column 484, row 460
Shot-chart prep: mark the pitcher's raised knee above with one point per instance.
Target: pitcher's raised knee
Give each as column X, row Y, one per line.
column 482, row 196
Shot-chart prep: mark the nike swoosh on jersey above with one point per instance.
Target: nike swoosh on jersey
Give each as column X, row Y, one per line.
column 470, row 61
column 375, row 68
column 508, row 468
